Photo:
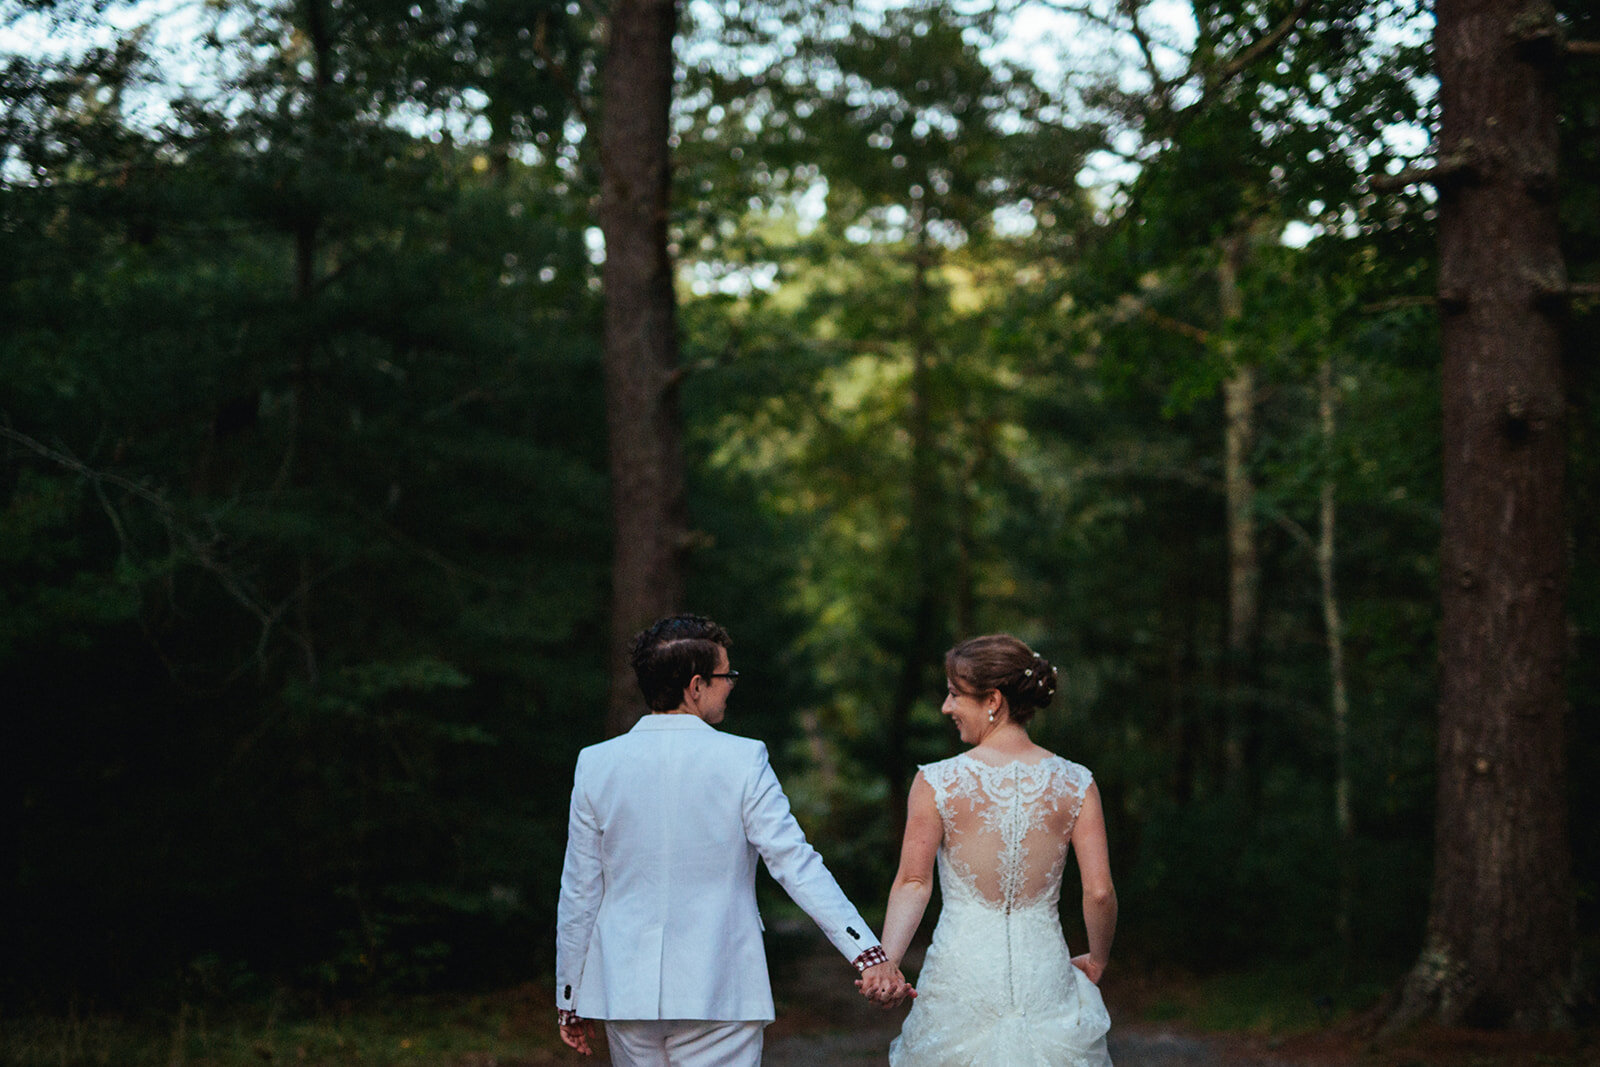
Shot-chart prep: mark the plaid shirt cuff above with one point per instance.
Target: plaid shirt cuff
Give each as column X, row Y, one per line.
column 568, row 1018
column 871, row 958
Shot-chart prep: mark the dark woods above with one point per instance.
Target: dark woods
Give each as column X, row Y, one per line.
column 305, row 490
column 304, row 531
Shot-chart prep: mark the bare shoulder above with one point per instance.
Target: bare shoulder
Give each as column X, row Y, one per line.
column 1072, row 765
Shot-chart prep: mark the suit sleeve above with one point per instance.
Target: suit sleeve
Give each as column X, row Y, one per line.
column 772, row 829
column 581, row 887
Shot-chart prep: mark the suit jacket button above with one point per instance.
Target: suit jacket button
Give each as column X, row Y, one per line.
column 851, row 930
column 567, row 992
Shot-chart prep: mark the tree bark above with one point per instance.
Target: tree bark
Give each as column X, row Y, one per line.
column 295, row 468
column 641, row 345
column 1244, row 562
column 1338, row 690
column 920, row 648
column 1500, row 938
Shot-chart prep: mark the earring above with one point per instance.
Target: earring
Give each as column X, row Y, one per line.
column 991, row 713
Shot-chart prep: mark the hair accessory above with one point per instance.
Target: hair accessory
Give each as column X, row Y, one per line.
column 1028, row 673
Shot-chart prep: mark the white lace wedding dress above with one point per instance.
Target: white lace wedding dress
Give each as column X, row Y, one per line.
column 998, row 988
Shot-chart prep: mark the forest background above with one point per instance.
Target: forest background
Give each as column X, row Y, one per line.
column 1107, row 325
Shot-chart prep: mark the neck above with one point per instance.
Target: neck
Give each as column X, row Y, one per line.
column 689, row 709
column 1004, row 735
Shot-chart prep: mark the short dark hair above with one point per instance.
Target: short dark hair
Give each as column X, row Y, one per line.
column 1001, row 662
column 668, row 655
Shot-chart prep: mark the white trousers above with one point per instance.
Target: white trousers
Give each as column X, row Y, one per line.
column 684, row 1043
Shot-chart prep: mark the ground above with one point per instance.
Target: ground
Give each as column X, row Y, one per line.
column 822, row 1021
column 1261, row 1018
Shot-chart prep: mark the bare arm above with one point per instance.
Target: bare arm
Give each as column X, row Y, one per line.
column 1099, row 895
column 913, row 884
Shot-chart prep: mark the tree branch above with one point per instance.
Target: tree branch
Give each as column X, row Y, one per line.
column 1393, row 183
column 1167, row 322
column 1234, row 67
column 1083, row 11
column 1129, row 305
column 1582, row 48
column 1462, row 163
column 1162, row 88
column 1399, row 303
column 1194, row 479
column 558, row 72
column 201, row 549
column 1130, row 11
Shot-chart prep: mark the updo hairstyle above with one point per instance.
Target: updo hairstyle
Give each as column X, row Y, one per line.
column 999, row 661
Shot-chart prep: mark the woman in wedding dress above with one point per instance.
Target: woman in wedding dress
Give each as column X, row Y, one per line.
column 998, row 987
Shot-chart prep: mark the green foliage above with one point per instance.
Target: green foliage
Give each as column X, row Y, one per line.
column 48, row 592
column 300, row 549
column 303, row 528
column 1072, row 372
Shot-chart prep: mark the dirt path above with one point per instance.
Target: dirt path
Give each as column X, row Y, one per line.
column 823, row 1022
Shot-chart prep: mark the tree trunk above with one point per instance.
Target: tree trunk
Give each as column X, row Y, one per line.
column 1244, row 563
column 1338, row 691
column 919, row 649
column 295, row 469
column 641, row 345
column 1500, row 937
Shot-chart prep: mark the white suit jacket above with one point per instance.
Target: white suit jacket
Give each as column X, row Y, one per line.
column 657, row 916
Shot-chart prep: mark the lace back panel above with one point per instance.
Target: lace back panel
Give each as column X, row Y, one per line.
column 997, row 987
column 1007, row 827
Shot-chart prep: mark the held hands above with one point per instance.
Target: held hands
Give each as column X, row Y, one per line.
column 579, row 1035
column 1089, row 967
column 884, row 985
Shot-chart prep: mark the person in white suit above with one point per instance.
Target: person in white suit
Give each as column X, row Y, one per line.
column 657, row 930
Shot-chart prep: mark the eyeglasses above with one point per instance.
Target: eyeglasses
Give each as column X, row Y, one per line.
column 731, row 676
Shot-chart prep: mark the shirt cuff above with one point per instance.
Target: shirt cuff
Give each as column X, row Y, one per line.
column 568, row 1018
column 871, row 958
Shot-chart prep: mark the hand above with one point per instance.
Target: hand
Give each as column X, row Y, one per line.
column 1088, row 966
column 884, row 985
column 578, row 1035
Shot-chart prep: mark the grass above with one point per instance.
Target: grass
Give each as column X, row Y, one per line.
column 1288, row 1012
column 505, row 1029
column 1269, row 1000
column 1298, row 1013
